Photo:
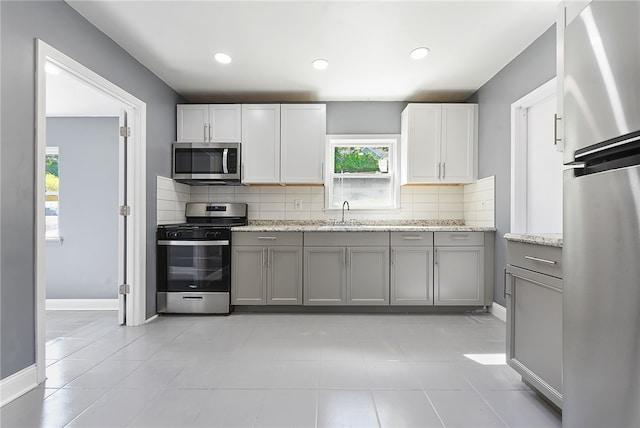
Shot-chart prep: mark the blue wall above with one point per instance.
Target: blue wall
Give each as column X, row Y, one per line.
column 56, row 23
column 533, row 67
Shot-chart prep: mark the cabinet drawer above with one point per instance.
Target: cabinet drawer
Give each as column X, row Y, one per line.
column 411, row 239
column 458, row 239
column 538, row 258
column 344, row 239
column 270, row 239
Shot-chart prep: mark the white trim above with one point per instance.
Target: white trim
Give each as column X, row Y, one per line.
column 137, row 201
column 18, row 384
column 82, row 304
column 499, row 311
column 519, row 153
column 151, row 319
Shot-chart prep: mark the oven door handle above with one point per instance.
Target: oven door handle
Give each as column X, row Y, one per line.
column 194, row 243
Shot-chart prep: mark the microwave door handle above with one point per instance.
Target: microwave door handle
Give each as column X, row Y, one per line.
column 225, row 167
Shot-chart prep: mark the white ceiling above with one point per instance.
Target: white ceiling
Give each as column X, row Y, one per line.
column 367, row 44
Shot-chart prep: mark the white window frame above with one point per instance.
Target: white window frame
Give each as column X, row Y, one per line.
column 390, row 140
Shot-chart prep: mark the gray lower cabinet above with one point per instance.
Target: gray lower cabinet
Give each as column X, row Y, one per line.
column 349, row 268
column 325, row 276
column 412, row 268
column 266, row 274
column 533, row 288
column 459, row 269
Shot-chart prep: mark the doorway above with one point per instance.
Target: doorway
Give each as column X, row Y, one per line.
column 536, row 163
column 131, row 196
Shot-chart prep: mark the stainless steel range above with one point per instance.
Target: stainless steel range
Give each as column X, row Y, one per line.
column 194, row 259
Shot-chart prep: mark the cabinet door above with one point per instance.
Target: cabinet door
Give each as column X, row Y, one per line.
column 192, row 123
column 458, row 142
column 225, row 123
column 303, row 135
column 261, row 143
column 412, row 276
column 324, row 276
column 368, row 275
column 459, row 276
column 284, row 275
column 248, row 278
column 420, row 143
column 534, row 330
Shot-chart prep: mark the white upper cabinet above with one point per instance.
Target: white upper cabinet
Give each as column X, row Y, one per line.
column 302, row 141
column 459, row 143
column 210, row 123
column 439, row 143
column 261, row 143
column 283, row 143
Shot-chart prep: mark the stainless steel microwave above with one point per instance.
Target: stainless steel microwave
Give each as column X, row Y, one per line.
column 206, row 163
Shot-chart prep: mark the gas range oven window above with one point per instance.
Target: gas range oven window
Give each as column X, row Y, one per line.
column 194, row 266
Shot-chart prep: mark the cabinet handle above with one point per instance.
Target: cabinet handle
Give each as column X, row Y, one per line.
column 412, row 238
column 210, row 139
column 344, row 258
column 267, row 238
column 439, row 166
column 269, row 257
column 444, row 169
column 322, row 171
column 435, row 257
column 505, row 284
column 536, row 259
column 204, row 133
column 459, row 237
column 263, row 258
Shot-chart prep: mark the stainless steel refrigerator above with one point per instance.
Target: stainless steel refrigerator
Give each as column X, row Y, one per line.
column 601, row 254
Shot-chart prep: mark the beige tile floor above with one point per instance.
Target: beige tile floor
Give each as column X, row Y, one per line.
column 277, row 370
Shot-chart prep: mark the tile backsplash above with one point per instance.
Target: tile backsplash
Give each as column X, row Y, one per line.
column 172, row 198
column 473, row 202
column 479, row 203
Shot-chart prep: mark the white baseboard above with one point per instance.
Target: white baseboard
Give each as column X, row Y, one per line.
column 499, row 311
column 151, row 319
column 82, row 305
column 18, row 384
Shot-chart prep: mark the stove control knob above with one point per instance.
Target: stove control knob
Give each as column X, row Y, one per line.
column 212, row 234
column 174, row 234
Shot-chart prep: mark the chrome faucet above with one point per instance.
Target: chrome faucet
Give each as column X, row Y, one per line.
column 348, row 209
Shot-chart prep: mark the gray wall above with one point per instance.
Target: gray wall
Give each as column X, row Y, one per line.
column 533, row 67
column 364, row 117
column 60, row 26
column 85, row 266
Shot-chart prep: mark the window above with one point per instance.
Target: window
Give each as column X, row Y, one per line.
column 52, row 185
column 361, row 170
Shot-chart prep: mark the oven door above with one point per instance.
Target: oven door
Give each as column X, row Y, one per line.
column 194, row 266
column 206, row 161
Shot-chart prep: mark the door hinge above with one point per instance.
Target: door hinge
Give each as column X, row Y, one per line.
column 125, row 210
column 124, row 289
column 125, row 131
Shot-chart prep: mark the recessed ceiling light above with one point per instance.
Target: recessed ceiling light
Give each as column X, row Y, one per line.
column 419, row 53
column 222, row 58
column 51, row 69
column 320, row 64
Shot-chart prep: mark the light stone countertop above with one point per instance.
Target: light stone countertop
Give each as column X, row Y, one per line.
column 547, row 239
column 360, row 226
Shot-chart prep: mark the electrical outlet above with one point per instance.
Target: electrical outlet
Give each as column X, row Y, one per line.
column 297, row 204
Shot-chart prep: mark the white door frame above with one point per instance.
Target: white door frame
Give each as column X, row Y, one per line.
column 136, row 242
column 519, row 153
